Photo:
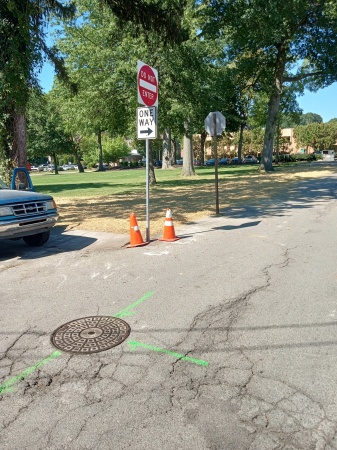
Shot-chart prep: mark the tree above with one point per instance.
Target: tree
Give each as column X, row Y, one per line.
column 93, row 54
column 307, row 118
column 167, row 153
column 46, row 132
column 22, row 50
column 114, row 148
column 188, row 165
column 165, row 18
column 292, row 40
column 319, row 136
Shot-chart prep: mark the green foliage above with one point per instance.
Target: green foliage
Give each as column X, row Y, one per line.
column 319, row 136
column 291, row 41
column 307, row 118
column 304, row 157
column 46, row 132
column 164, row 17
column 113, row 149
column 21, row 55
column 252, row 141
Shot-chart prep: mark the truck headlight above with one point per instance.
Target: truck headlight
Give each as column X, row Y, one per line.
column 6, row 211
column 51, row 204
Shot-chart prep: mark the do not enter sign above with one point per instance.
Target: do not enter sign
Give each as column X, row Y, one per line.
column 147, row 83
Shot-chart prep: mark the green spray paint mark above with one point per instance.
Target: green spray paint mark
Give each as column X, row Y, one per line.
column 7, row 387
column 135, row 344
column 128, row 310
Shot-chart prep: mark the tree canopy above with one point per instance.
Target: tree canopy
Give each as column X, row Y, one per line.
column 247, row 59
column 22, row 51
column 293, row 41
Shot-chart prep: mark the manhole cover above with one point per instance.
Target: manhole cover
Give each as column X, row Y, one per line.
column 90, row 334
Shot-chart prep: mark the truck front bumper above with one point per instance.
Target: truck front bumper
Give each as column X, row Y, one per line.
column 19, row 228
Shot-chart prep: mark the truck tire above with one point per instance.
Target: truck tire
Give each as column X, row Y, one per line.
column 36, row 240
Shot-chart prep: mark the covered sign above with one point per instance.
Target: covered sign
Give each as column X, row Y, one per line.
column 220, row 123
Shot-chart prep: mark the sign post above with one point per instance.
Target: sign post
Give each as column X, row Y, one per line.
column 215, row 123
column 147, row 86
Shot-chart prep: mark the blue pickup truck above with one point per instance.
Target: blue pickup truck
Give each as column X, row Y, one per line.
column 24, row 213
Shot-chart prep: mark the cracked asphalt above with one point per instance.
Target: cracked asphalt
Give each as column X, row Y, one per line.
column 251, row 292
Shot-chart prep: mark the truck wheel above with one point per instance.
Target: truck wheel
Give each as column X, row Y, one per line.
column 37, row 239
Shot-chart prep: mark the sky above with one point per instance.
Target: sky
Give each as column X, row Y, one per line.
column 322, row 102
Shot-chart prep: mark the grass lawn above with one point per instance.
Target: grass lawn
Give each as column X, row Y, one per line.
column 103, row 201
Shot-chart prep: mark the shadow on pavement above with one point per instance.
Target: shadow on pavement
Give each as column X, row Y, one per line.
column 58, row 242
column 302, row 195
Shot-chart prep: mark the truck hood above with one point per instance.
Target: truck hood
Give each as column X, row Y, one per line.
column 12, row 196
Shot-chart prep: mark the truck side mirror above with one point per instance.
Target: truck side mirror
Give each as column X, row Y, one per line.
column 21, row 180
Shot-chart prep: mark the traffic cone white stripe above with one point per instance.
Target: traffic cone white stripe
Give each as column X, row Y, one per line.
column 136, row 239
column 169, row 233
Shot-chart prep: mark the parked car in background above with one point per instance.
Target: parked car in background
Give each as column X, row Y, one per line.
column 210, row 162
column 179, row 162
column 34, row 168
column 24, row 213
column 157, row 163
column 235, row 160
column 223, row 162
column 250, row 159
column 197, row 162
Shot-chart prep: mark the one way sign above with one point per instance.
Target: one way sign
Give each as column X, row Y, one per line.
column 147, row 123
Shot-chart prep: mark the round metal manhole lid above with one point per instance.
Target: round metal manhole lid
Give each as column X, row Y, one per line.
column 90, row 334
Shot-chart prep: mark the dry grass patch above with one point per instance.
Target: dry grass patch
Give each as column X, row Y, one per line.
column 188, row 203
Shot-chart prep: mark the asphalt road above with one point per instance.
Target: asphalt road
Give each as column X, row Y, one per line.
column 232, row 344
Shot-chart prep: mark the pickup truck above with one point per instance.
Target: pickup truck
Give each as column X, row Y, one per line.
column 24, row 213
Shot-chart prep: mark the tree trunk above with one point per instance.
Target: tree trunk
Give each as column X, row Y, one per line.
column 152, row 176
column 174, row 142
column 167, row 156
column 202, row 146
column 19, row 149
column 100, row 150
column 277, row 141
column 188, row 166
column 273, row 108
column 55, row 163
column 6, row 132
column 242, row 127
column 78, row 159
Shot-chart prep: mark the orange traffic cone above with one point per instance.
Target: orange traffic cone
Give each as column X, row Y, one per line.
column 136, row 239
column 169, row 234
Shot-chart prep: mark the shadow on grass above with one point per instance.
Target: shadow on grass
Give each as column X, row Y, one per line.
column 58, row 188
column 253, row 198
column 299, row 195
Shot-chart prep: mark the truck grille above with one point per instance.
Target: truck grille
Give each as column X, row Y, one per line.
column 27, row 209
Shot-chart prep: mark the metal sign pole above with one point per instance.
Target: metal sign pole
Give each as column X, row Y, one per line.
column 147, row 190
column 216, row 167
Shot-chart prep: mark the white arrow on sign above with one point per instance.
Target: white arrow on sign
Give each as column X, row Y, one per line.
column 147, row 123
